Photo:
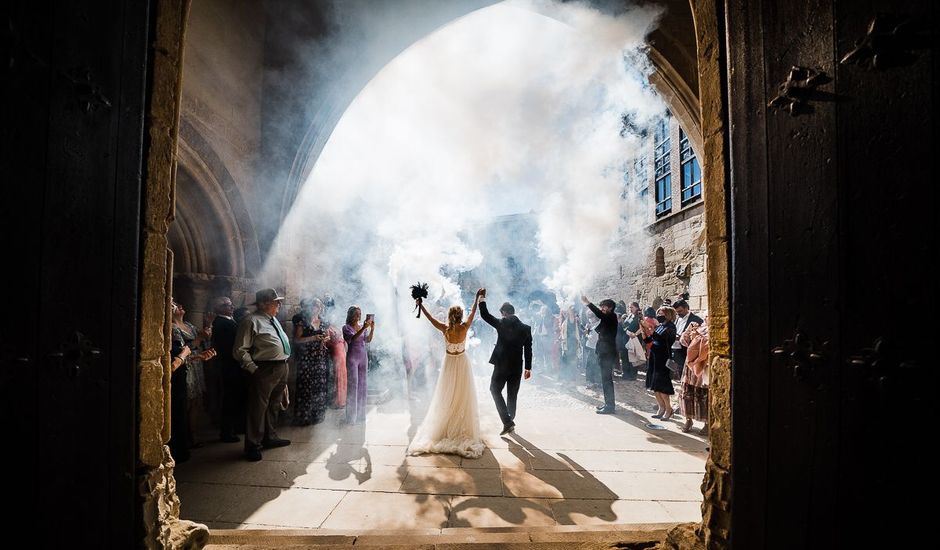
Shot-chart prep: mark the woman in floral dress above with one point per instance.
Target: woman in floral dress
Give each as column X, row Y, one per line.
column 313, row 335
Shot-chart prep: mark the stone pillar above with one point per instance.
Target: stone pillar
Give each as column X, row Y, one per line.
column 716, row 516
column 161, row 526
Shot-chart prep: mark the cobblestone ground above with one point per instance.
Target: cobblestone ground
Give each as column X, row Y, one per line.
column 564, row 465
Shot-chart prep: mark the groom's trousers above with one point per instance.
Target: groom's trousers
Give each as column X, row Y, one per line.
column 507, row 407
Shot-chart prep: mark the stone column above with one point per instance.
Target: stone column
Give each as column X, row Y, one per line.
column 162, row 527
column 716, row 516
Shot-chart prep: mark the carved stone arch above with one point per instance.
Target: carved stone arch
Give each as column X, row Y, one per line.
column 183, row 244
column 672, row 53
column 197, row 235
column 216, row 230
column 679, row 98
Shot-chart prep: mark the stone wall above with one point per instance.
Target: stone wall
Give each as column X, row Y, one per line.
column 213, row 227
column 682, row 238
column 222, row 80
column 196, row 291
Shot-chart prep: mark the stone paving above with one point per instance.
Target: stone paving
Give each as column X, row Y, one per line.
column 565, row 465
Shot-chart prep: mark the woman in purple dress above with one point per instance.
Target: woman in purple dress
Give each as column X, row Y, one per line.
column 357, row 364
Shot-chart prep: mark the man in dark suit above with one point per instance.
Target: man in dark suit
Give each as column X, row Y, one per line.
column 233, row 378
column 513, row 349
column 606, row 349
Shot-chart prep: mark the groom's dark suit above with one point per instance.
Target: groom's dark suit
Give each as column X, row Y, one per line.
column 513, row 345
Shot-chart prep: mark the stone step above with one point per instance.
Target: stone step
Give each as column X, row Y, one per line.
column 564, row 537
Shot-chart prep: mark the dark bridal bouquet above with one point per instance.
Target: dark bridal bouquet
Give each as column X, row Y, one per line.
column 419, row 292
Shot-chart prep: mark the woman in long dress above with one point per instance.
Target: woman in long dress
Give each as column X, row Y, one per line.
column 195, row 378
column 452, row 424
column 183, row 355
column 313, row 368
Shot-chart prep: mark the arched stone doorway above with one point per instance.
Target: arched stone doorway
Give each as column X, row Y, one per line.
column 95, row 121
column 712, row 145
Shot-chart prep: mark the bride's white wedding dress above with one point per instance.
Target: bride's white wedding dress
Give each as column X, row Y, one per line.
column 452, row 424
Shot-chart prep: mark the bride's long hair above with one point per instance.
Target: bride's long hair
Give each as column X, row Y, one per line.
column 454, row 317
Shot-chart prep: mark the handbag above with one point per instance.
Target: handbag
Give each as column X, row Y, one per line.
column 672, row 365
column 636, row 352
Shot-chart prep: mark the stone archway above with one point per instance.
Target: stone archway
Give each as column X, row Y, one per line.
column 213, row 239
column 214, row 198
column 162, row 526
column 675, row 79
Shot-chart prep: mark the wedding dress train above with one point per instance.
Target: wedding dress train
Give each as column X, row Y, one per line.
column 452, row 423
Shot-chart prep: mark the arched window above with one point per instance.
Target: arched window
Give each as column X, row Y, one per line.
column 660, row 261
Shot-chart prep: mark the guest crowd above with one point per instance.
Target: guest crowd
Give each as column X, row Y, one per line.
column 236, row 367
column 239, row 361
column 667, row 345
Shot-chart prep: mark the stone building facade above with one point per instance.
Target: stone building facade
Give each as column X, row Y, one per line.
column 665, row 183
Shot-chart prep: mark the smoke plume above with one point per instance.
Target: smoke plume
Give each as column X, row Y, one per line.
column 514, row 109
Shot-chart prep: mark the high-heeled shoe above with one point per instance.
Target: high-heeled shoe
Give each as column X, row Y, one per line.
column 687, row 427
column 668, row 416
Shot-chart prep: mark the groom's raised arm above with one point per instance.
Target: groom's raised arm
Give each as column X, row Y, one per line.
column 485, row 313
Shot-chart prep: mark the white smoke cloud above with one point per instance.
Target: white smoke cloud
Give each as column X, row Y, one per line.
column 517, row 107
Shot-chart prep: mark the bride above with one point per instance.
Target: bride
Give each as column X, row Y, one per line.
column 452, row 424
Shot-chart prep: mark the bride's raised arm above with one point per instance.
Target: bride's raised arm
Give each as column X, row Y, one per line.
column 437, row 324
column 473, row 310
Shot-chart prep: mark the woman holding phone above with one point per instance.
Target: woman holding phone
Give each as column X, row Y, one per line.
column 357, row 363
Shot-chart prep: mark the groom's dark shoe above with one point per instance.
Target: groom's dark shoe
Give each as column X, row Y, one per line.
column 605, row 410
column 508, row 429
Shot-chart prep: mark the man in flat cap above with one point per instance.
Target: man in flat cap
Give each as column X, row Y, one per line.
column 262, row 348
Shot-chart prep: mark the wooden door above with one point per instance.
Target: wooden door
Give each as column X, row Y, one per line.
column 831, row 217
column 75, row 85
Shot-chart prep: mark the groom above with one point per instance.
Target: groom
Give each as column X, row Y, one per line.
column 514, row 340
